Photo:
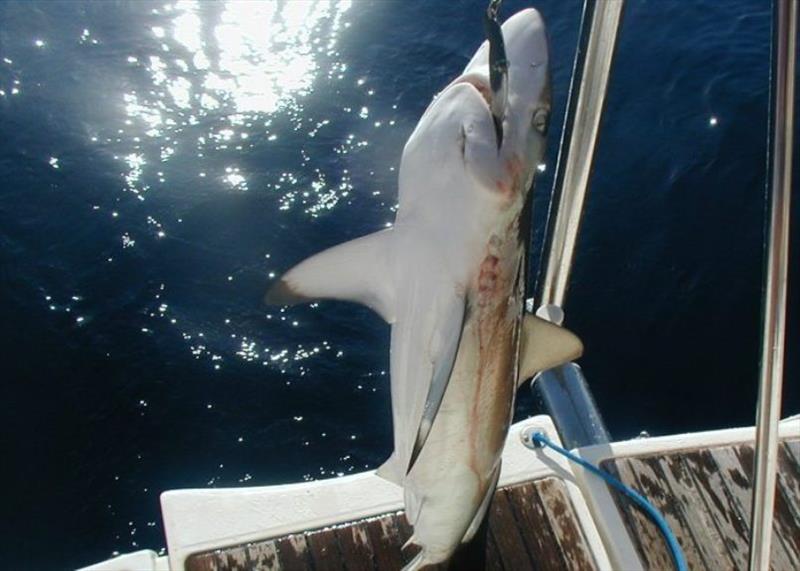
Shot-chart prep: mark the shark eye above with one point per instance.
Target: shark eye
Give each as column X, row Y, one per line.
column 541, row 118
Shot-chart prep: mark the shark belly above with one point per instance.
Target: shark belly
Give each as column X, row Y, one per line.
column 458, row 466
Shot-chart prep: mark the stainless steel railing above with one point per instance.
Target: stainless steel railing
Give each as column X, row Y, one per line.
column 563, row 390
column 784, row 50
column 575, row 161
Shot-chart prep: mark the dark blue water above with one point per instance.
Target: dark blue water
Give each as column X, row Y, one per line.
column 160, row 162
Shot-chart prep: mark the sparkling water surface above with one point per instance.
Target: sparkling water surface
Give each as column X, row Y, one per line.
column 161, row 164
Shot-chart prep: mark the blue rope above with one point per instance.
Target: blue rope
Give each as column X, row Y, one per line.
column 541, row 440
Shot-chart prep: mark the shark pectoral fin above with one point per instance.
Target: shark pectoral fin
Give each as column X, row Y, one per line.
column 445, row 342
column 484, row 507
column 358, row 271
column 391, row 470
column 545, row 345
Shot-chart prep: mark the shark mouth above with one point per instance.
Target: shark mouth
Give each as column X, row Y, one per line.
column 482, row 86
column 480, row 83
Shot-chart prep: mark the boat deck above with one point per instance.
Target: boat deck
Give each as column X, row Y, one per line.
column 375, row 543
column 703, row 492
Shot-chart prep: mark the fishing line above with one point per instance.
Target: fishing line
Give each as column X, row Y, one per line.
column 540, row 441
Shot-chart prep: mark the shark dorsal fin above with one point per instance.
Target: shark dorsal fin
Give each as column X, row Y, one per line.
column 545, row 345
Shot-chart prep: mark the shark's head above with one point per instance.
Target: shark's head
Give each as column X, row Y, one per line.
column 462, row 125
column 528, row 110
column 526, row 114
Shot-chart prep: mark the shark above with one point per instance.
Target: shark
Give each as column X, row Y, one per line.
column 449, row 277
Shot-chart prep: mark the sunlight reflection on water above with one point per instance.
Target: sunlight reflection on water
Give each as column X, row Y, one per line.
column 249, row 60
column 261, row 56
column 217, row 76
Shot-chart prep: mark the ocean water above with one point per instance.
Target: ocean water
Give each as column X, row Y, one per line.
column 161, row 163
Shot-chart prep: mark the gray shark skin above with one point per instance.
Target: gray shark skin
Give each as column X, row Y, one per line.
column 449, row 276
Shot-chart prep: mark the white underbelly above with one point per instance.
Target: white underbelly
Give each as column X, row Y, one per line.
column 469, row 429
column 455, row 468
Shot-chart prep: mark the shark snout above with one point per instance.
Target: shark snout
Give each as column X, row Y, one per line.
column 526, row 50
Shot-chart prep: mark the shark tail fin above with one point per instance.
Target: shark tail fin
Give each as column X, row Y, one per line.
column 545, row 345
column 359, row 270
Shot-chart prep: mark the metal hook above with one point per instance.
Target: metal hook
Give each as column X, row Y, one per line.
column 493, row 8
column 498, row 69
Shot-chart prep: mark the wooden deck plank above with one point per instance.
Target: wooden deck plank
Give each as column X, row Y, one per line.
column 738, row 484
column 793, row 447
column 698, row 516
column 785, row 527
column 789, row 479
column 504, row 527
column 649, row 542
column 293, row 552
column 729, row 520
column 263, row 555
column 385, row 539
column 403, row 527
column 571, row 540
column 535, row 529
column 235, row 561
column 356, row 549
column 624, row 508
column 324, row 550
column 655, row 487
column 202, row 562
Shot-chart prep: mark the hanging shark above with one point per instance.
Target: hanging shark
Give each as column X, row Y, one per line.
column 449, row 277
